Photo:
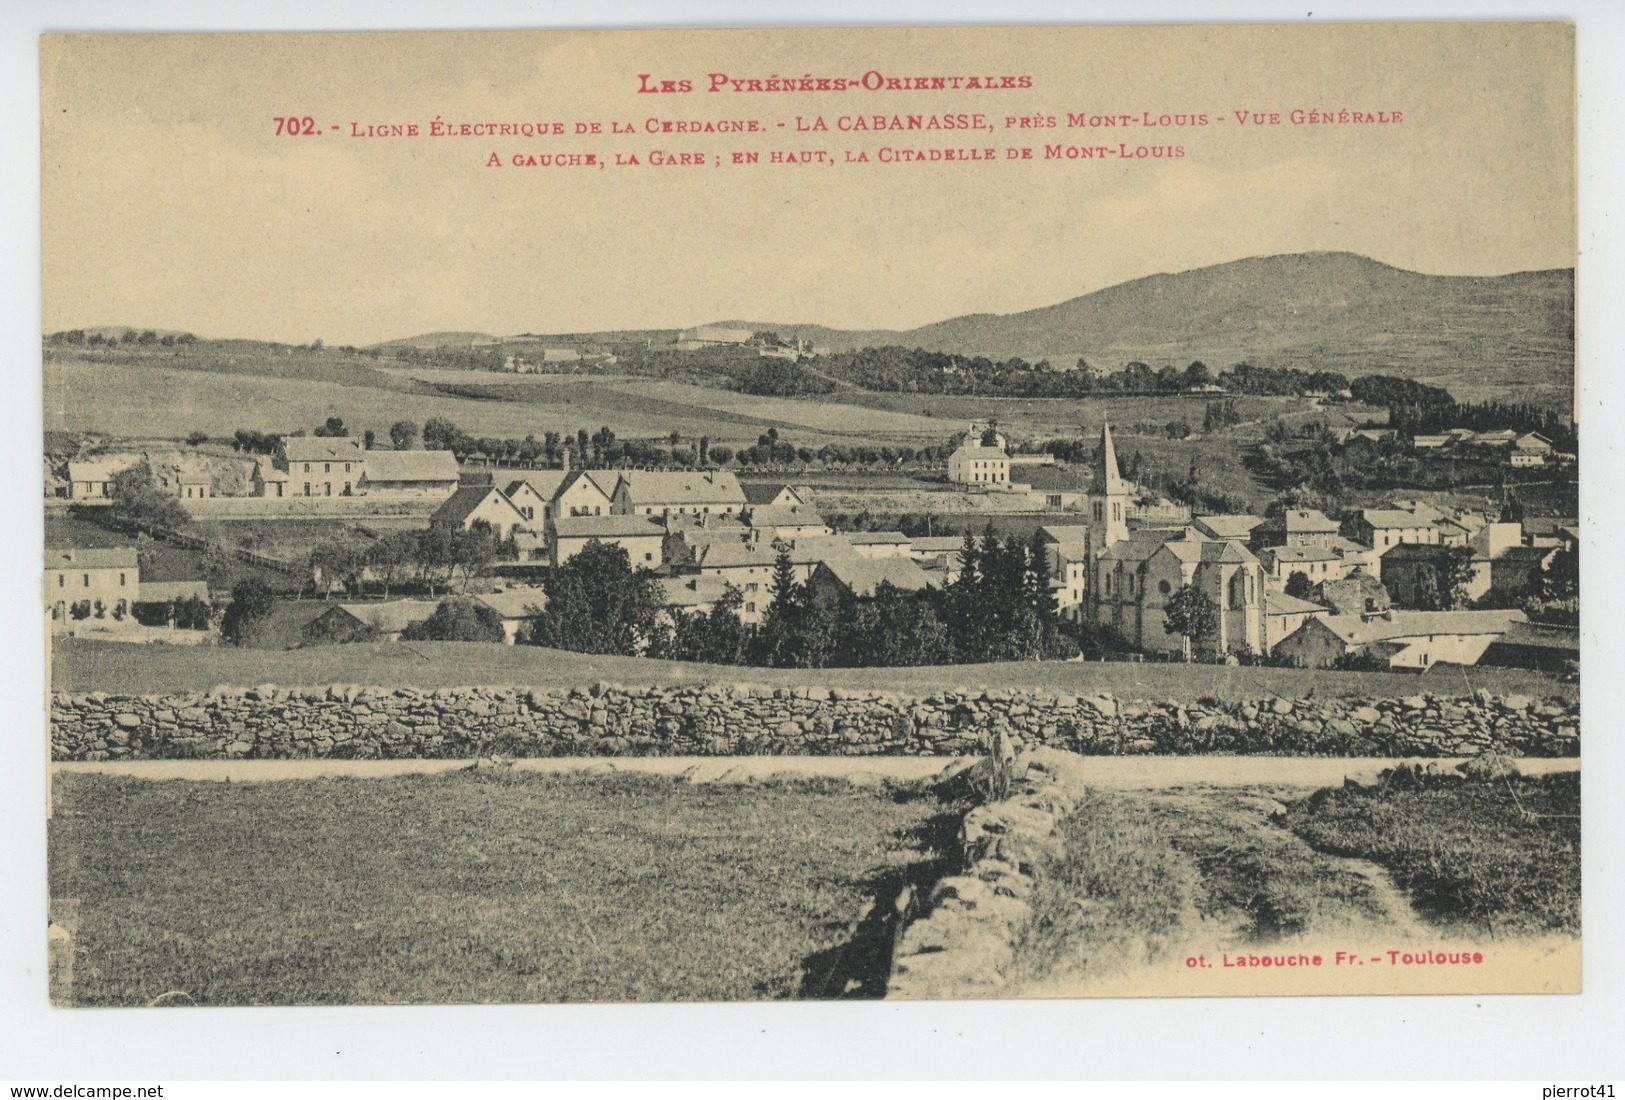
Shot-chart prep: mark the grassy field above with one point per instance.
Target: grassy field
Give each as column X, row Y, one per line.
column 681, row 400
column 1147, row 874
column 478, row 887
column 1023, row 417
column 169, row 395
column 1498, row 857
column 169, row 398
column 86, row 665
column 161, row 561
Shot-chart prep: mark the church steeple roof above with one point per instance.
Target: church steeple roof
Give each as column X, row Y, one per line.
column 1106, row 481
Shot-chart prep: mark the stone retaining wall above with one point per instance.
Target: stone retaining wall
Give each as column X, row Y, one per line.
column 352, row 722
column 963, row 940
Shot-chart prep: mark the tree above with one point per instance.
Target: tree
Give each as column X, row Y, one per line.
column 440, row 434
column 402, row 434
column 252, row 602
column 435, row 555
column 1192, row 614
column 473, row 550
column 1457, row 576
column 194, row 439
column 337, row 559
column 333, row 428
column 715, row 637
column 1427, row 596
column 1562, row 579
column 1298, row 585
column 457, row 619
column 393, row 558
column 722, row 455
column 139, row 503
column 597, row 603
column 368, row 438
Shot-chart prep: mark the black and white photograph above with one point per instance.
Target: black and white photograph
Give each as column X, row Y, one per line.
column 900, row 513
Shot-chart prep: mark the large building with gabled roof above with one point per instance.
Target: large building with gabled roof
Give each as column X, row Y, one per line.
column 1131, row 573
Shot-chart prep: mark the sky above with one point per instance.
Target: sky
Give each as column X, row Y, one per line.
column 169, row 201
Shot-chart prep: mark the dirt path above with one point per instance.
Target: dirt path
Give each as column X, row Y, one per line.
column 1300, row 773
column 1398, row 915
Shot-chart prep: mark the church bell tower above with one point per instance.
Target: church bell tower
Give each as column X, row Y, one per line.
column 1108, row 497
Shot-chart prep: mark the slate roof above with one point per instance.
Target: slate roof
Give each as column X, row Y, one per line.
column 390, row 617
column 1303, row 553
column 1142, row 543
column 1230, row 527
column 607, row 527
column 515, row 603
column 1393, row 517
column 1409, row 624
column 1543, row 636
column 680, row 487
column 765, row 492
column 461, row 504
column 863, row 575
column 1279, row 603
column 940, row 544
column 118, row 557
column 411, row 466
column 545, row 483
column 1306, row 521
column 1071, row 540
column 102, row 468
column 784, row 515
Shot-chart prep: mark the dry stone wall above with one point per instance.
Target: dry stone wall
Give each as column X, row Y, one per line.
column 352, row 722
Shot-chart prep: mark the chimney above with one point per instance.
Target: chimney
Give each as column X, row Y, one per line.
column 566, row 460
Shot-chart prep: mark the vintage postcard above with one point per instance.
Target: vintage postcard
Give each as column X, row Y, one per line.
column 701, row 515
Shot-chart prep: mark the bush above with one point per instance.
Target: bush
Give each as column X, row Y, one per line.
column 457, row 619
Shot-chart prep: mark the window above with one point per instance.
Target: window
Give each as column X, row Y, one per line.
column 87, row 580
column 307, row 467
column 751, row 607
column 346, row 467
column 307, row 485
column 327, row 489
column 648, row 557
column 121, row 580
column 327, row 467
column 61, row 580
column 1164, row 587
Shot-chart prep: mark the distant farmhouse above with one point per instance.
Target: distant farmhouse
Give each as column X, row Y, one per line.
column 321, row 466
column 980, row 459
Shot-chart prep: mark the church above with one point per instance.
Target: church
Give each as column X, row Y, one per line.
column 1106, row 573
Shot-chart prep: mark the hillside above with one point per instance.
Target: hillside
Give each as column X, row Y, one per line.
column 441, row 340
column 1479, row 337
column 1328, row 311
